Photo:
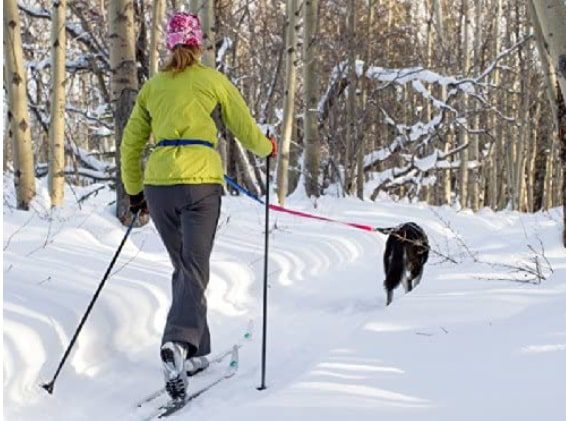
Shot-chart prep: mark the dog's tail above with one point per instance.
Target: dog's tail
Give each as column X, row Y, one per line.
column 394, row 263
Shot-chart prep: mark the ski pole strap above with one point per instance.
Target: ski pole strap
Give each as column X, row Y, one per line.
column 184, row 142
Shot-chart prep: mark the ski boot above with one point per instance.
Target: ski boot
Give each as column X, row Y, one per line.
column 173, row 355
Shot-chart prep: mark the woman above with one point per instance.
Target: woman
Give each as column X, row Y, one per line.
column 183, row 180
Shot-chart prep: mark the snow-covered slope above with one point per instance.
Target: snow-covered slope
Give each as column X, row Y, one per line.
column 472, row 342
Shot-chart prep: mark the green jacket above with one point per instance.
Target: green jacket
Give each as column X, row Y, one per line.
column 181, row 107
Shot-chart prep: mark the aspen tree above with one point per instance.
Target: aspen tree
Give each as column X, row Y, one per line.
column 57, row 124
column 310, row 80
column 18, row 117
column 124, row 83
column 288, row 101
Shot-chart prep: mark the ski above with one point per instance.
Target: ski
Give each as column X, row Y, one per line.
column 214, row 360
column 174, row 406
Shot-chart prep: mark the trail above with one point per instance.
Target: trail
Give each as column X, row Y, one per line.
column 462, row 345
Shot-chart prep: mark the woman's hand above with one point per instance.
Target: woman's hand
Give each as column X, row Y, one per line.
column 138, row 204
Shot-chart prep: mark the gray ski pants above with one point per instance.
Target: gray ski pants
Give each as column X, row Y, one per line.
column 186, row 216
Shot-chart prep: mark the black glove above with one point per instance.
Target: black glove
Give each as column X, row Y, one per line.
column 138, row 204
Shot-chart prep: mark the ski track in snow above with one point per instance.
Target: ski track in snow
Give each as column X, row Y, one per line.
column 460, row 346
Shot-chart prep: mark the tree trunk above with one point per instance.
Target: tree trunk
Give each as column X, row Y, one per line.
column 556, row 185
column 550, row 85
column 246, row 171
column 6, row 157
column 463, row 134
column 549, row 179
column 511, row 150
column 552, row 15
column 438, row 19
column 18, row 117
column 493, row 170
column 562, row 138
column 205, row 10
column 446, row 177
column 531, row 171
column 523, row 112
column 549, row 74
column 57, row 126
column 360, row 177
column 425, row 193
column 508, row 155
column 310, row 81
column 124, row 84
column 445, row 186
column 289, row 102
column 155, row 36
column 474, row 179
column 351, row 100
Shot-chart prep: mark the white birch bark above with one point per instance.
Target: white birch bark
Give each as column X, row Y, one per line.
column 494, row 191
column 157, row 16
column 289, row 102
column 463, row 134
column 552, row 15
column 57, row 126
column 474, row 155
column 18, row 117
column 445, row 188
column 205, row 11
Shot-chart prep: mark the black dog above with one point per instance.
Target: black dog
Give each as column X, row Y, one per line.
column 406, row 253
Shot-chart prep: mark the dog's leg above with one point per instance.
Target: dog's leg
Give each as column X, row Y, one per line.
column 389, row 296
column 417, row 278
column 394, row 264
column 409, row 282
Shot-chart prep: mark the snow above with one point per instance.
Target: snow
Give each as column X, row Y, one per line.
column 227, row 43
column 267, row 128
column 474, row 341
column 89, row 160
column 380, row 154
column 427, row 162
column 102, row 131
column 403, row 76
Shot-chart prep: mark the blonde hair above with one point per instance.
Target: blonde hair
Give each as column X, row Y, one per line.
column 182, row 56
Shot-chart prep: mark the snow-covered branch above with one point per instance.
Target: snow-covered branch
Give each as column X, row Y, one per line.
column 42, row 169
column 414, row 172
column 75, row 33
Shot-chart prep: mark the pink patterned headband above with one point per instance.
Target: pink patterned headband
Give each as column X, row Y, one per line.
column 183, row 29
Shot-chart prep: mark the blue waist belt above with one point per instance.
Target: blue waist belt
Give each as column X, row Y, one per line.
column 184, row 142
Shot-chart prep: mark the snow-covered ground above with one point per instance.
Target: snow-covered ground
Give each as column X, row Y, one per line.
column 473, row 341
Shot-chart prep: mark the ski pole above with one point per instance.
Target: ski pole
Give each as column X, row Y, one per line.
column 49, row 386
column 265, row 255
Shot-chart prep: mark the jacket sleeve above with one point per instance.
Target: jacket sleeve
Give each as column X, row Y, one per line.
column 238, row 118
column 134, row 138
